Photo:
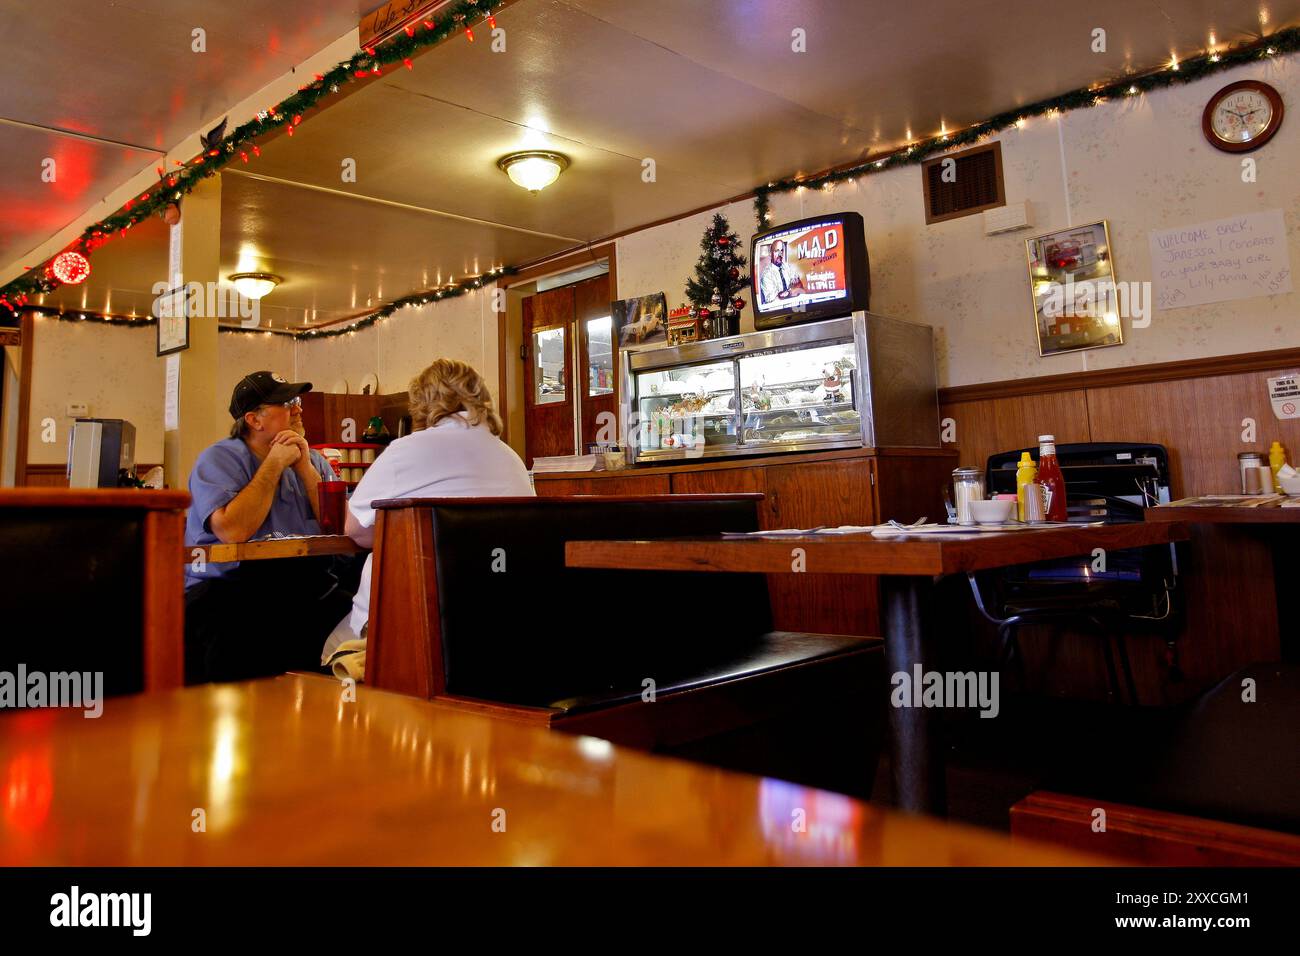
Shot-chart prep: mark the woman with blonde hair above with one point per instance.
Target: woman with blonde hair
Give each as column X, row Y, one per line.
column 455, row 451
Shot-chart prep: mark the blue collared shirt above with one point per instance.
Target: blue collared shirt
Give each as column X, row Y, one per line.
column 222, row 471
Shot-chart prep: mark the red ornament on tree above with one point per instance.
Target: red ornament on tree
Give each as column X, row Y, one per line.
column 724, row 241
column 738, row 302
column 704, row 313
column 734, row 273
column 70, row 268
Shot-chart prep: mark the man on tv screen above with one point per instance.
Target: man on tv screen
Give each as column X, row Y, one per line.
column 779, row 280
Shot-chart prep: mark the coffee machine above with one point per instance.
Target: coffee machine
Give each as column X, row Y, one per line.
column 101, row 453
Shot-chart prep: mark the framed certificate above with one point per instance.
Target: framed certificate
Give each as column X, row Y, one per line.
column 173, row 321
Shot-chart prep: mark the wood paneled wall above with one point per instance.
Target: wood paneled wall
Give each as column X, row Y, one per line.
column 56, row 476
column 323, row 413
column 1196, row 410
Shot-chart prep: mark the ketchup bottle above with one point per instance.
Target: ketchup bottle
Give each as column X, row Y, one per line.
column 1049, row 475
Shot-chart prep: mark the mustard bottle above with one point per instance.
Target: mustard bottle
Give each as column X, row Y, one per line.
column 1276, row 459
column 1026, row 471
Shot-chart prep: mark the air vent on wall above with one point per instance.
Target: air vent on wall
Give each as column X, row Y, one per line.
column 962, row 184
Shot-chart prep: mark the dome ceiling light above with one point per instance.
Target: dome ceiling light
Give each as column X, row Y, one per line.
column 533, row 169
column 254, row 285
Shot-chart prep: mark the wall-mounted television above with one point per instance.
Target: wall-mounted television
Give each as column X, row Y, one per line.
column 811, row 269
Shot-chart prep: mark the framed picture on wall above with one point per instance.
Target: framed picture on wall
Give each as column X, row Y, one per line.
column 173, row 314
column 641, row 323
column 1072, row 287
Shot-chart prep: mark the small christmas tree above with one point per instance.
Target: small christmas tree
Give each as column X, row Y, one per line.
column 719, row 277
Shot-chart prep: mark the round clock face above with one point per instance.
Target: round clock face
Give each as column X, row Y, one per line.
column 1242, row 116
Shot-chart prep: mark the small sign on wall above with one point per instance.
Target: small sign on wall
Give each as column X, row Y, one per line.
column 172, row 394
column 1284, row 394
column 1235, row 258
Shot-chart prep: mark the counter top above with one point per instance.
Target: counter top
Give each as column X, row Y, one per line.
column 672, row 466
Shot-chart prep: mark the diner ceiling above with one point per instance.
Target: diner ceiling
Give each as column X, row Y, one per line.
column 105, row 87
column 712, row 92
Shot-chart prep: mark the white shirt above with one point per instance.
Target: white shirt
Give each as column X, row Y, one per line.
column 453, row 459
column 770, row 282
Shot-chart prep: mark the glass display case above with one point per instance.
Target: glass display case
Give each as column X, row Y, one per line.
column 807, row 387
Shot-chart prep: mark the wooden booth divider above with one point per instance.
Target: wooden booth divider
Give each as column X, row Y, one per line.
column 93, row 583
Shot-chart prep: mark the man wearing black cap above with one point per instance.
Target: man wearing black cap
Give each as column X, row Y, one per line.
column 254, row 618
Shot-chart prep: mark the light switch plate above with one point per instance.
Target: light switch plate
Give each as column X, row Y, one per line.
column 78, row 410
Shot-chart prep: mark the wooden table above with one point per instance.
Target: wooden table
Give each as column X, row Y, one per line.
column 308, row 546
column 286, row 772
column 1276, row 524
column 1269, row 513
column 908, row 567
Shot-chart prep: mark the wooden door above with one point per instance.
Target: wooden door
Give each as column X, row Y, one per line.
column 598, row 360
column 548, row 374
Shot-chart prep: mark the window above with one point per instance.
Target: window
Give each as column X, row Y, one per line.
column 548, row 372
column 600, row 356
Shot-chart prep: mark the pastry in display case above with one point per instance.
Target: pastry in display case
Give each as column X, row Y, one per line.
column 799, row 394
column 860, row 380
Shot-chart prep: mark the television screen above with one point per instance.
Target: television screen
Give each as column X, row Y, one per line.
column 809, row 269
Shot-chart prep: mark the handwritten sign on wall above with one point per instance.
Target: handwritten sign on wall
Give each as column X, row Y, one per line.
column 1234, row 258
column 383, row 22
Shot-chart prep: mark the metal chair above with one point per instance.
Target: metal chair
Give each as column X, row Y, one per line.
column 1108, row 594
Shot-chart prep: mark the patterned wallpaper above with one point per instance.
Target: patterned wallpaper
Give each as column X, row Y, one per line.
column 1140, row 163
column 113, row 369
column 117, row 373
column 402, row 345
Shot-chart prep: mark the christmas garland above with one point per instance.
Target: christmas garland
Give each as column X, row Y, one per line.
column 415, row 299
column 1283, row 42
column 410, row 301
column 286, row 114
column 369, row 62
column 102, row 318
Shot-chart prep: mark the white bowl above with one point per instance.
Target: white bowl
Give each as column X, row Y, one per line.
column 1290, row 485
column 993, row 512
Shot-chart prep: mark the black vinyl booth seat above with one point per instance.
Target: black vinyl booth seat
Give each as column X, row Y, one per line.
column 518, row 626
column 72, row 593
column 768, row 652
column 1220, row 758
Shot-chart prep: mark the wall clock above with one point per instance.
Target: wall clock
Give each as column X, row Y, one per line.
column 1242, row 116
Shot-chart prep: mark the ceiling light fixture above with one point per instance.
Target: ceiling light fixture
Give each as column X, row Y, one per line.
column 533, row 169
column 254, row 285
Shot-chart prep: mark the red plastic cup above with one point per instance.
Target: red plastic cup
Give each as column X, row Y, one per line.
column 333, row 505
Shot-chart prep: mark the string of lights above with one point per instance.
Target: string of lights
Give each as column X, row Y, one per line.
column 1284, row 42
column 364, row 65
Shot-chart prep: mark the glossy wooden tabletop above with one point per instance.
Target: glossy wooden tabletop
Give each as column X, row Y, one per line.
column 1270, row 512
column 932, row 554
column 306, row 546
column 286, row 771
